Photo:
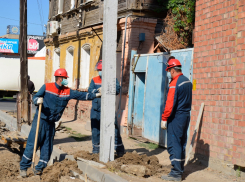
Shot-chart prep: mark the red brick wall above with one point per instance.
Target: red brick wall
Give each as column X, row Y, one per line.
column 83, row 110
column 219, row 71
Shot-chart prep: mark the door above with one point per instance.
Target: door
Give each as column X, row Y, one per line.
column 138, row 104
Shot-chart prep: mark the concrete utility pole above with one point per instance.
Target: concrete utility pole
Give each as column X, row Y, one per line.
column 23, row 60
column 107, row 126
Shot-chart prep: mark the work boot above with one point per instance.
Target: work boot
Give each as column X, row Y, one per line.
column 171, row 178
column 36, row 172
column 23, row 173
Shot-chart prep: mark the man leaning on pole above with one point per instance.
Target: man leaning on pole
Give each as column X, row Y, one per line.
column 54, row 98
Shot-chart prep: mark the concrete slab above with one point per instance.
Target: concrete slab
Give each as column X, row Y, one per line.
column 98, row 175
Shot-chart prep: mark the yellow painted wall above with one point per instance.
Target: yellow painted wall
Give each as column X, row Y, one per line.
column 95, row 46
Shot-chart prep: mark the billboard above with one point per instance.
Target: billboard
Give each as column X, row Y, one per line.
column 34, row 43
column 9, row 45
column 13, row 29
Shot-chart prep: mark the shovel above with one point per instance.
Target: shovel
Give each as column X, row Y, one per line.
column 36, row 137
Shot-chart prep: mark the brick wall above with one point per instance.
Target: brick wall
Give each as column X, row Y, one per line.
column 219, row 71
column 82, row 113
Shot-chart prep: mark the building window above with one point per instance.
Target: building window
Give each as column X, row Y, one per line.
column 56, row 61
column 85, row 66
column 69, row 64
column 72, row 4
column 60, row 6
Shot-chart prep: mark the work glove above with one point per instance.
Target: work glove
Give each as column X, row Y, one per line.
column 99, row 90
column 164, row 125
column 98, row 94
column 40, row 100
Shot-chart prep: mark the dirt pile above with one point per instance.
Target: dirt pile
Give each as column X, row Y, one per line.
column 55, row 172
column 86, row 155
column 9, row 163
column 3, row 130
column 151, row 163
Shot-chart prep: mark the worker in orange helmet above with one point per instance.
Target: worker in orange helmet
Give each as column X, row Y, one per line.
column 176, row 117
column 54, row 98
column 94, row 87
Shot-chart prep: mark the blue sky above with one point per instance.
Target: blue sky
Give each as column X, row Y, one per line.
column 10, row 9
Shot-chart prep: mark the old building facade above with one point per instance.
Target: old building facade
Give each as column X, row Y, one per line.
column 75, row 37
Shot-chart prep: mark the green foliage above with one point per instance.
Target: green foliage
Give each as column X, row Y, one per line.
column 183, row 12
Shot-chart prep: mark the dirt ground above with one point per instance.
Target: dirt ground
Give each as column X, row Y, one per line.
column 75, row 140
column 193, row 171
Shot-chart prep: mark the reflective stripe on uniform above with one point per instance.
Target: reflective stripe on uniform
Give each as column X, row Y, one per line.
column 26, row 157
column 43, row 161
column 184, row 83
column 178, row 160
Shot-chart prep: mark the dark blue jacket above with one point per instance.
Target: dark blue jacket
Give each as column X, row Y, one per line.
column 96, row 103
column 179, row 97
column 55, row 99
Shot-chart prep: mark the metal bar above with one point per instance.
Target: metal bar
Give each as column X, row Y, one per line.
column 97, row 34
column 107, row 126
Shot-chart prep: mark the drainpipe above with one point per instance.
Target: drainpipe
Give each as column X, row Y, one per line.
column 124, row 44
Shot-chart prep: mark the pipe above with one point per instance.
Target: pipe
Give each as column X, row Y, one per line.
column 124, row 44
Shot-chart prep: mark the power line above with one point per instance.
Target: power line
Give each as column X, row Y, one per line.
column 18, row 20
column 40, row 14
column 42, row 10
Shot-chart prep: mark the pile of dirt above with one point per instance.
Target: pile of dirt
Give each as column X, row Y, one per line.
column 86, row 155
column 58, row 169
column 151, row 163
column 9, row 163
column 3, row 130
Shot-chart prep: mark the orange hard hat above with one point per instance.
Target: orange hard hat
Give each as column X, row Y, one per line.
column 61, row 72
column 173, row 63
column 98, row 65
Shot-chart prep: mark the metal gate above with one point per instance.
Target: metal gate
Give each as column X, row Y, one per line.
column 147, row 90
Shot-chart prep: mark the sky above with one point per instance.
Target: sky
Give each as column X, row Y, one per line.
column 10, row 14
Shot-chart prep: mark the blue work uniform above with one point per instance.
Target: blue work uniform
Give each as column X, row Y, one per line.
column 177, row 114
column 95, row 118
column 55, row 99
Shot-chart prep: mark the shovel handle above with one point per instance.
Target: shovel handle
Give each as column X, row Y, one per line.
column 36, row 137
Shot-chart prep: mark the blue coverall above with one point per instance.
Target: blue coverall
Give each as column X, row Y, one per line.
column 55, row 99
column 177, row 114
column 95, row 118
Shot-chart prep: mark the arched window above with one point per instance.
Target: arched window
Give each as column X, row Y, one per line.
column 56, row 61
column 85, row 66
column 69, row 64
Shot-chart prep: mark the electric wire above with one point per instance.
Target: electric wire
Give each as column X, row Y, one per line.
column 18, row 20
column 40, row 14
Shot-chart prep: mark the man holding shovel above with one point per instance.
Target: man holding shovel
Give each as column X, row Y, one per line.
column 52, row 99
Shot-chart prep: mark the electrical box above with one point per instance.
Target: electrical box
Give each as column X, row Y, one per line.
column 142, row 37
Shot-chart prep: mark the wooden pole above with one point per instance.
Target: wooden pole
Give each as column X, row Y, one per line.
column 23, row 60
column 107, row 127
column 18, row 100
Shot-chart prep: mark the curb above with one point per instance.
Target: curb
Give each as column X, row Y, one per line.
column 98, row 175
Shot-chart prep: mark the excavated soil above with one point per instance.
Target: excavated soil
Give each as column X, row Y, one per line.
column 86, row 155
column 58, row 169
column 150, row 162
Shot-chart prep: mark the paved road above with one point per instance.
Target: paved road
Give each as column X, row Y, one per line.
column 10, row 105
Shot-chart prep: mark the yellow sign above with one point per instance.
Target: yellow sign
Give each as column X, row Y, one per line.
column 194, row 85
